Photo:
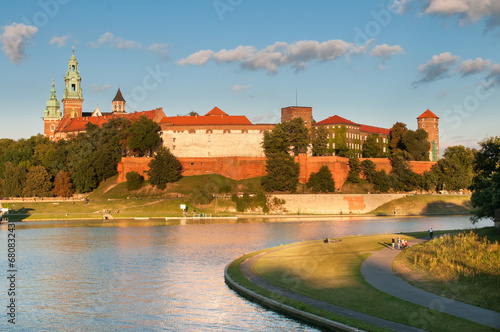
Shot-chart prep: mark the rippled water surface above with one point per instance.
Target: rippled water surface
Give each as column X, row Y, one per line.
column 159, row 275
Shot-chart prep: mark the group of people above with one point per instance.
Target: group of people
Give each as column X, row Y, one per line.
column 401, row 243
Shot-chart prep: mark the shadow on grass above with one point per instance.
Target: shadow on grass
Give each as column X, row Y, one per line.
column 18, row 214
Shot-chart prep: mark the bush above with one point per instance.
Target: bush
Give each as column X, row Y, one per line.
column 321, row 181
column 134, row 181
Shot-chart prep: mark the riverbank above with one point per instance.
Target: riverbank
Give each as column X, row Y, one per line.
column 330, row 272
column 159, row 208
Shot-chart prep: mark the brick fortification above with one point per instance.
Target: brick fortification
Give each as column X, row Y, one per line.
column 239, row 168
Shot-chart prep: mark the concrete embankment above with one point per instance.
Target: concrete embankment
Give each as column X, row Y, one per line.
column 285, row 309
column 335, row 204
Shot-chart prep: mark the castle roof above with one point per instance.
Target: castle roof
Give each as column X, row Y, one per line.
column 428, row 114
column 216, row 111
column 374, row 130
column 119, row 96
column 336, row 120
column 69, row 125
column 215, row 117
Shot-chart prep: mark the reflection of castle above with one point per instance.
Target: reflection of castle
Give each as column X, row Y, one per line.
column 215, row 134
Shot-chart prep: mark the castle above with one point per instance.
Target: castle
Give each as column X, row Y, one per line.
column 215, row 136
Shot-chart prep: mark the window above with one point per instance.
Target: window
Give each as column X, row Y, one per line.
column 73, row 87
column 52, row 127
column 72, row 67
column 173, row 139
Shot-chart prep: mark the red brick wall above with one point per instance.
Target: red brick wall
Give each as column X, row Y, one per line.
column 239, row 168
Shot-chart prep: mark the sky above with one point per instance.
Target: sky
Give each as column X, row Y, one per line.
column 372, row 62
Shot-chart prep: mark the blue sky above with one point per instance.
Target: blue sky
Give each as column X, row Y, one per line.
column 373, row 62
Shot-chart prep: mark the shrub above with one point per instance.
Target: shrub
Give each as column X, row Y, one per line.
column 134, row 181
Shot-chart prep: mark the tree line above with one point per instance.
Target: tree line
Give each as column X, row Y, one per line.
column 39, row 167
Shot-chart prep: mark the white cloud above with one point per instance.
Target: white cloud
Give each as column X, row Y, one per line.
column 160, row 50
column 386, row 52
column 437, row 68
column 14, row 39
column 198, row 59
column 466, row 10
column 279, row 54
column 59, row 41
column 108, row 39
column 240, row 88
column 96, row 88
column 469, row 66
column 494, row 75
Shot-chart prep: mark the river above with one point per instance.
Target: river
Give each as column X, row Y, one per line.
column 157, row 275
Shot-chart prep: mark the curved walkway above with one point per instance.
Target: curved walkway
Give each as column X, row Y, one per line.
column 246, row 268
column 377, row 271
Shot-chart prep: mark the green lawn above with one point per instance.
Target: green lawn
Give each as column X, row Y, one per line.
column 331, row 273
column 464, row 266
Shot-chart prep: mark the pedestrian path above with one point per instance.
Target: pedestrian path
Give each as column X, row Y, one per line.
column 246, row 268
column 377, row 271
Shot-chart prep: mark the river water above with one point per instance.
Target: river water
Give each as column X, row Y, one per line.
column 157, row 275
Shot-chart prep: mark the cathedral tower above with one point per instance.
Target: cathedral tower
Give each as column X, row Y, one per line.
column 118, row 103
column 52, row 114
column 429, row 122
column 73, row 97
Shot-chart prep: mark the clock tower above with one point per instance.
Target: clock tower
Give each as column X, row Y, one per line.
column 52, row 114
column 73, row 97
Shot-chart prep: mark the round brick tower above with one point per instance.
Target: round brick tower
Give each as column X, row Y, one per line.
column 429, row 122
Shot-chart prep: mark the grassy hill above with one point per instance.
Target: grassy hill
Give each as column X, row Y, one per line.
column 426, row 204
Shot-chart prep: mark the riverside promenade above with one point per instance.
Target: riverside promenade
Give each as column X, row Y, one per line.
column 377, row 271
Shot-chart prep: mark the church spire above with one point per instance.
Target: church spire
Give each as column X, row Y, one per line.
column 52, row 113
column 118, row 103
column 73, row 96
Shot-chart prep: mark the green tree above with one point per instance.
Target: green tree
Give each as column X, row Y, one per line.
column 429, row 181
column 143, row 138
column 15, row 178
column 368, row 168
column 381, row 181
column 397, row 133
column 319, row 141
column 416, row 144
column 371, row 148
column 276, row 140
column 486, row 182
column 164, row 168
column 134, row 181
column 37, row 182
column 321, row 181
column 404, row 178
column 298, row 135
column 282, row 173
column 354, row 170
column 84, row 177
column 63, row 187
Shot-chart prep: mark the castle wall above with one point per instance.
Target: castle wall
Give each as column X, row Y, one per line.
column 215, row 140
column 239, row 168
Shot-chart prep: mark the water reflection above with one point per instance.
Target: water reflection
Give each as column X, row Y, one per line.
column 162, row 274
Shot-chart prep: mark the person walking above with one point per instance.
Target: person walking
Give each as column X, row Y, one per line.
column 399, row 243
column 431, row 233
column 393, row 240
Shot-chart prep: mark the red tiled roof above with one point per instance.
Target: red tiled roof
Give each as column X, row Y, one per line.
column 69, row 125
column 428, row 114
column 216, row 111
column 335, row 120
column 374, row 130
column 206, row 120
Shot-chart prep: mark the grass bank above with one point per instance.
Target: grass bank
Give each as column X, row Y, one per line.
column 464, row 267
column 331, row 273
column 426, row 204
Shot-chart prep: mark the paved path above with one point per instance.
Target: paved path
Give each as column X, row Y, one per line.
column 246, row 268
column 377, row 271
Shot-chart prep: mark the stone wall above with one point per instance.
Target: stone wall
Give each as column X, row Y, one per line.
column 335, row 204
